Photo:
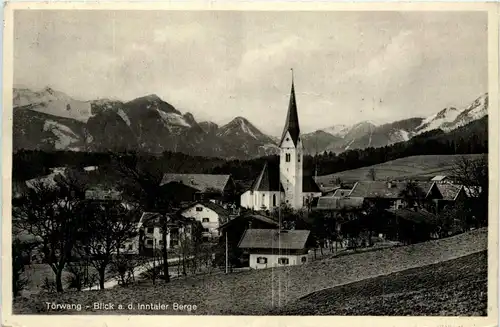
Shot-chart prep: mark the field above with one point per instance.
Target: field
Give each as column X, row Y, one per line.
column 456, row 287
column 257, row 292
column 417, row 167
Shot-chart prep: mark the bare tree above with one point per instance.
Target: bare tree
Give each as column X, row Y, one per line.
column 412, row 194
column 53, row 214
column 473, row 175
column 143, row 185
column 107, row 227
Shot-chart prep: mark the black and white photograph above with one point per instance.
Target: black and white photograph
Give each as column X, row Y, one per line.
column 252, row 163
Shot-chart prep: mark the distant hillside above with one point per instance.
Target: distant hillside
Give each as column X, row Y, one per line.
column 418, row 167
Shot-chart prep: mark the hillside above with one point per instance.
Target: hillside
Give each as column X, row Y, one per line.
column 257, row 292
column 456, row 287
column 417, row 167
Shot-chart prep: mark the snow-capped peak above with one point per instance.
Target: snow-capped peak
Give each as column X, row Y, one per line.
column 337, row 130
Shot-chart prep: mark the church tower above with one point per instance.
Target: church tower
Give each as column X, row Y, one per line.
column 291, row 156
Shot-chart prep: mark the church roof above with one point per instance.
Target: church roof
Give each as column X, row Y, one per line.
column 292, row 119
column 268, row 179
column 309, row 185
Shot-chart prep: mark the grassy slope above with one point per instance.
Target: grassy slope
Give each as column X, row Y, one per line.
column 456, row 287
column 258, row 292
column 420, row 167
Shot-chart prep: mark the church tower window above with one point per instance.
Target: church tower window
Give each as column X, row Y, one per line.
column 287, row 157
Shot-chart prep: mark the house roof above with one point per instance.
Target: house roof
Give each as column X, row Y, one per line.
column 342, row 192
column 373, row 189
column 439, row 178
column 249, row 217
column 201, row 182
column 274, row 239
column 292, row 119
column 49, row 180
column 416, row 216
column 268, row 179
column 339, row 203
column 449, row 191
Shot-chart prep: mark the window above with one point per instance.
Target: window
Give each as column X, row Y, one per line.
column 274, row 200
column 150, row 230
column 205, row 220
column 262, row 260
column 199, row 208
column 304, row 259
column 283, row 261
column 287, row 157
column 206, row 230
column 299, row 158
column 130, row 246
column 149, row 242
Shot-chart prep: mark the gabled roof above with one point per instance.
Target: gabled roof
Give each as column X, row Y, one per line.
column 449, row 191
column 201, row 182
column 374, row 189
column 292, row 119
column 439, row 178
column 249, row 217
column 268, row 179
column 339, row 203
column 274, row 239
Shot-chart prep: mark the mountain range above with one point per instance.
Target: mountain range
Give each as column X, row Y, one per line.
column 52, row 120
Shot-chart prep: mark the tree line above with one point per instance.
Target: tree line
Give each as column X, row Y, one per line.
column 469, row 139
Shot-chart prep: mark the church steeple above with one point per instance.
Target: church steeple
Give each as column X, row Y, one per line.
column 292, row 118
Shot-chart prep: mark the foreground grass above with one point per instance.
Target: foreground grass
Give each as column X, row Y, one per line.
column 419, row 167
column 260, row 291
column 457, row 287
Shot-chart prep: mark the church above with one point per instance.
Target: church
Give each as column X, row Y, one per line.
column 285, row 183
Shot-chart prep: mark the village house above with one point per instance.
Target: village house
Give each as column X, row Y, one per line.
column 269, row 248
column 220, row 188
column 210, row 215
column 151, row 235
column 232, row 231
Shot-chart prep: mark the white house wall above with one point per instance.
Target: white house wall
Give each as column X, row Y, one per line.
column 272, row 260
column 203, row 212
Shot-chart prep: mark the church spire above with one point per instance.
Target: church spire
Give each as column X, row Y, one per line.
column 292, row 118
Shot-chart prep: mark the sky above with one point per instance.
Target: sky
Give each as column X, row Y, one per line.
column 348, row 66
